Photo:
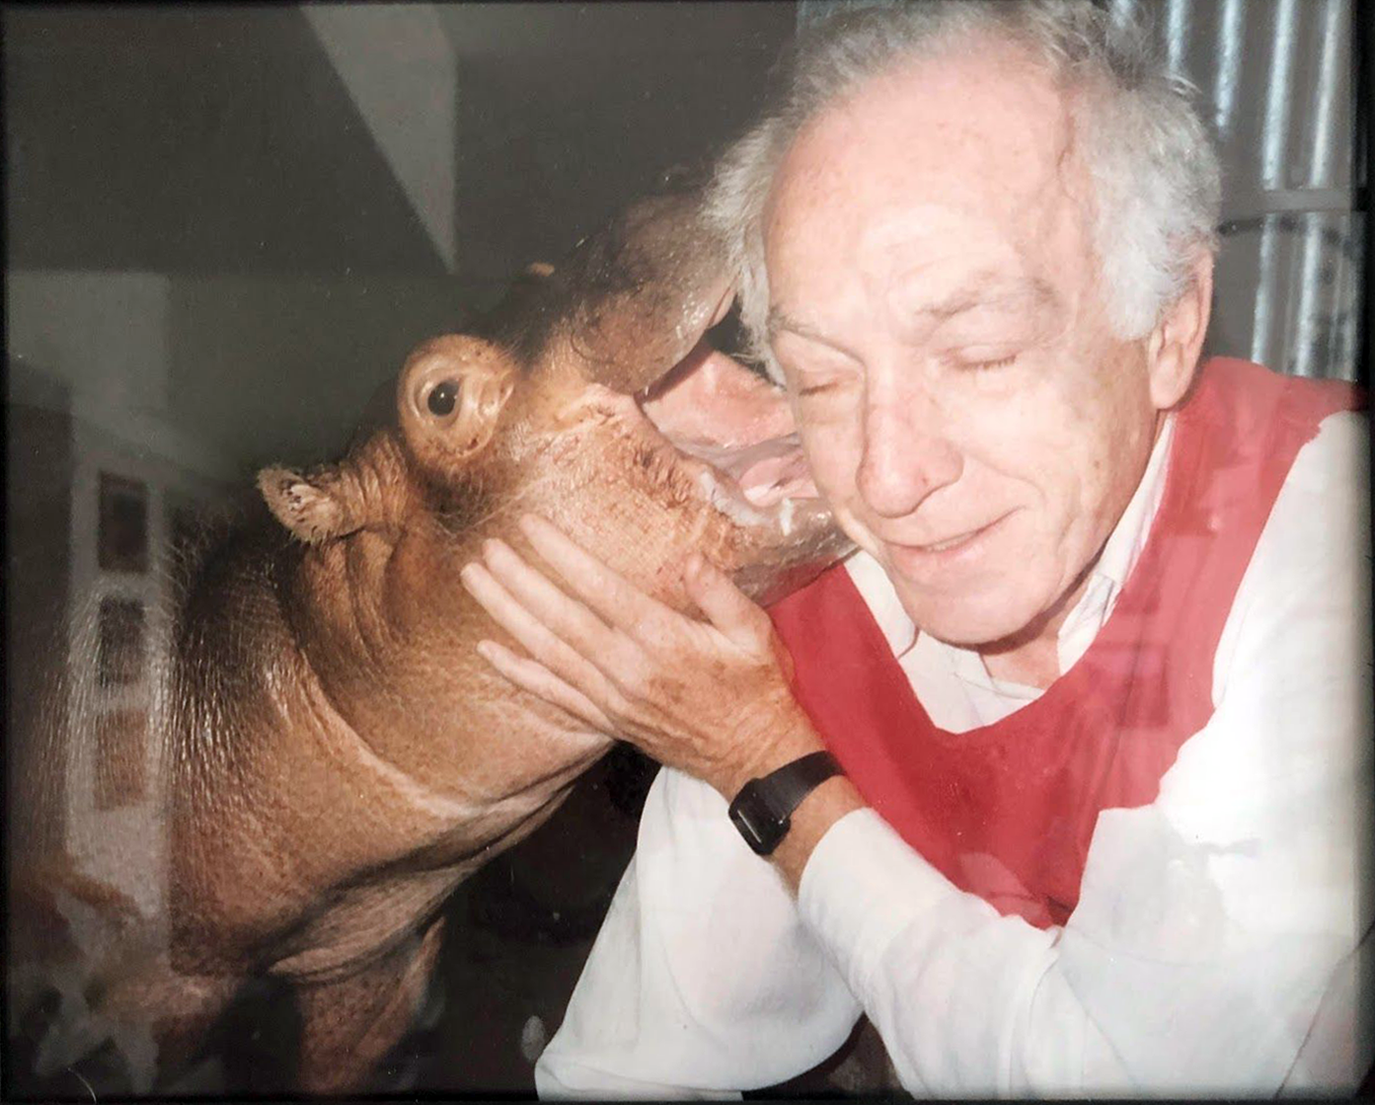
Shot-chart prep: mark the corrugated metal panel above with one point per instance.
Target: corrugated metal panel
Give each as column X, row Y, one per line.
column 1274, row 81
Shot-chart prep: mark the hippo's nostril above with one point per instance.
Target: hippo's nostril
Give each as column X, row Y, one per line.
column 443, row 397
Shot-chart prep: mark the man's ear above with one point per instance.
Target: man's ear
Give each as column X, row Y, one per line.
column 1175, row 343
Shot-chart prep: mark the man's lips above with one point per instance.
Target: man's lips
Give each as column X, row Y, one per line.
column 947, row 550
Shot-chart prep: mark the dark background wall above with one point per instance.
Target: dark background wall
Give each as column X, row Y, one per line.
column 564, row 113
column 192, row 140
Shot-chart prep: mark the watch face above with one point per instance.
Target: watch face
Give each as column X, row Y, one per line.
column 759, row 825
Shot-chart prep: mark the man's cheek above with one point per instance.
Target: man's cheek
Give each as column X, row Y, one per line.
column 832, row 457
column 853, row 528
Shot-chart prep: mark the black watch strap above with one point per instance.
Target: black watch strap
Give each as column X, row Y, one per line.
column 762, row 809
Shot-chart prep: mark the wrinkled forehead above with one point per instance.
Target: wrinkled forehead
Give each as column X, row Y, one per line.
column 959, row 153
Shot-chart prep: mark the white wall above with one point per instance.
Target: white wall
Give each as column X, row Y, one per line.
column 106, row 335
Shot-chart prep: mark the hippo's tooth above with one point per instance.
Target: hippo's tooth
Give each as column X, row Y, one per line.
column 733, row 506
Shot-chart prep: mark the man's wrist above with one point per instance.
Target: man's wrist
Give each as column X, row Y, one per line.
column 812, row 819
column 762, row 809
column 814, row 815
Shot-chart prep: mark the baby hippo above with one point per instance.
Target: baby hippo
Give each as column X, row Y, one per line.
column 339, row 757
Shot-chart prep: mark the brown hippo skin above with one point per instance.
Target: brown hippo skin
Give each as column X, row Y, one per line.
column 340, row 758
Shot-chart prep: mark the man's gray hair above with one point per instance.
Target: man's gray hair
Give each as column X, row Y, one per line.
column 1153, row 167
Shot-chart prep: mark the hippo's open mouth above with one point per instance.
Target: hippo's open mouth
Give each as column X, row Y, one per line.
column 739, row 431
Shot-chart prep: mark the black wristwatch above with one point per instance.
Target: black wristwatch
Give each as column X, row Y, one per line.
column 762, row 809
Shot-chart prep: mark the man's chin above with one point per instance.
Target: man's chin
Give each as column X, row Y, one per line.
column 979, row 626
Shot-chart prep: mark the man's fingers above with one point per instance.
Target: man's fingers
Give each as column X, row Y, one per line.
column 567, row 618
column 531, row 675
column 535, row 637
column 604, row 590
column 725, row 605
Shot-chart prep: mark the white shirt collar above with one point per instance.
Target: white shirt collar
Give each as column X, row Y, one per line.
column 1120, row 554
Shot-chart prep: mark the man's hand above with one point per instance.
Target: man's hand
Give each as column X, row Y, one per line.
column 710, row 697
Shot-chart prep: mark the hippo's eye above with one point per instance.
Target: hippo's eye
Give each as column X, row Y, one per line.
column 442, row 398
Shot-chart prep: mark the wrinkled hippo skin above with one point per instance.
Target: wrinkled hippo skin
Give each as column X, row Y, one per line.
column 338, row 756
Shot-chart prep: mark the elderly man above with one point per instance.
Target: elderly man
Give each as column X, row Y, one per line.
column 1098, row 677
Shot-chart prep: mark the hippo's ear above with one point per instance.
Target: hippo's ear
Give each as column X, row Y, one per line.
column 313, row 507
column 450, row 395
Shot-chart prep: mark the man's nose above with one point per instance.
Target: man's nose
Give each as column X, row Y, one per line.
column 907, row 451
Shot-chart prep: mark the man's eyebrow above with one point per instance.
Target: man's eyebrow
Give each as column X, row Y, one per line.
column 780, row 320
column 1032, row 294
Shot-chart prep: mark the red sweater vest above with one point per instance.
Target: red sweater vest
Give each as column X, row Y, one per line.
column 1007, row 811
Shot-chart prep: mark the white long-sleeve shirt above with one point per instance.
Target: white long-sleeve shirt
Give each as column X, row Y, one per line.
column 1213, row 947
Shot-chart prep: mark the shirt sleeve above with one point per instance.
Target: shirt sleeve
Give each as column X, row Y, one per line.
column 1215, row 924
column 703, row 981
